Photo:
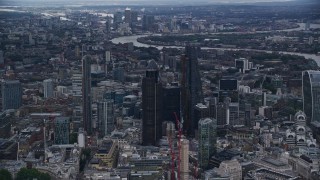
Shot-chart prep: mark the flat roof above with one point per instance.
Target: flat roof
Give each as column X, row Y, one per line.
column 45, row 114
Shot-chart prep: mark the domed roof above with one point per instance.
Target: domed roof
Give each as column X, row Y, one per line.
column 152, row 65
column 300, row 116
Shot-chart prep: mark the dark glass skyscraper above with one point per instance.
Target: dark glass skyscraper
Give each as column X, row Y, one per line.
column 61, row 130
column 191, row 88
column 151, row 105
column 11, row 95
column 171, row 103
column 86, row 94
column 311, row 95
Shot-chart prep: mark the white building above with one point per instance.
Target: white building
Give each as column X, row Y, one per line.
column 184, row 157
column 48, row 88
column 231, row 168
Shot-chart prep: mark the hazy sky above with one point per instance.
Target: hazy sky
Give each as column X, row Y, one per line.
column 136, row 1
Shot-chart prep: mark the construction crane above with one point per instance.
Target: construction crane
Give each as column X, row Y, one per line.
column 172, row 156
column 172, row 152
column 179, row 142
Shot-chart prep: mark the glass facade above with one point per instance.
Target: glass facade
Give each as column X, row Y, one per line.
column 61, row 130
column 311, row 95
column 207, row 140
column 11, row 95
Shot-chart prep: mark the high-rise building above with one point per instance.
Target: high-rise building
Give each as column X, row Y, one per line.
column 119, row 74
column 311, row 95
column 207, row 140
column 117, row 19
column 105, row 117
column 11, row 94
column 127, row 16
column 222, row 114
column 151, row 105
column 86, row 94
column 134, row 16
column 184, row 158
column 191, row 87
column 200, row 111
column 242, row 64
column 147, row 22
column 108, row 56
column 171, row 103
column 108, row 25
column 228, row 87
column 48, row 88
column 1, row 57
column 61, row 130
column 76, row 80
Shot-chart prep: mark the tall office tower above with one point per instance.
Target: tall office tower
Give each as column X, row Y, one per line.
column 117, row 19
column 171, row 103
column 184, row 157
column 11, row 94
column 311, row 95
column 1, row 57
column 200, row 111
column 105, row 117
column 108, row 25
column 222, row 114
column 48, row 88
column 228, row 87
column 191, row 87
column 108, row 56
column 207, row 140
column 61, row 130
column 242, row 64
column 147, row 22
column 77, row 51
column 76, row 80
column 151, row 105
column 86, row 94
column 134, row 16
column 127, row 16
column 245, row 113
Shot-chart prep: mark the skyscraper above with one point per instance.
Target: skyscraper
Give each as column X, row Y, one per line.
column 1, row 57
column 207, row 140
column 127, row 16
column 134, row 16
column 191, row 87
column 105, row 117
column 86, row 94
column 61, row 130
column 311, row 95
column 147, row 22
column 151, row 105
column 184, row 157
column 117, row 19
column 11, row 95
column 47, row 88
column 171, row 103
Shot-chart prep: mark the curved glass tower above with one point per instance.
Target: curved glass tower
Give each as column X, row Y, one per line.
column 207, row 140
column 311, row 95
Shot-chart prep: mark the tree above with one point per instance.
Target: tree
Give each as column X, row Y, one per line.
column 29, row 174
column 5, row 174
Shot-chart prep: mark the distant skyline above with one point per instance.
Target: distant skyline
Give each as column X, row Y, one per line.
column 129, row 2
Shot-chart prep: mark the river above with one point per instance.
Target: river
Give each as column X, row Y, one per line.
column 133, row 39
